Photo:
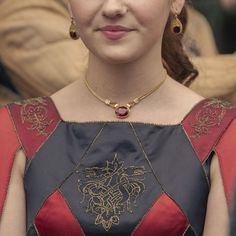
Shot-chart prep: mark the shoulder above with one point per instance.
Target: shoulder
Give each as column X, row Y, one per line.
column 211, row 129
column 209, row 120
column 208, row 123
column 32, row 121
column 24, row 126
column 225, row 150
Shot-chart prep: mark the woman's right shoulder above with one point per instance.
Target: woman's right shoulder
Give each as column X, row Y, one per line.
column 14, row 115
column 24, row 127
column 30, row 122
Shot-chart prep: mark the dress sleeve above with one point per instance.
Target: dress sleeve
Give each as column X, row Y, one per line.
column 226, row 152
column 9, row 145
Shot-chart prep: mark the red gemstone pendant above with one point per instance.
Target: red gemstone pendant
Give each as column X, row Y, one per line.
column 122, row 112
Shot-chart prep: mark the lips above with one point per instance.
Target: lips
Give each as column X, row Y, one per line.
column 115, row 28
column 114, row 35
column 115, row 32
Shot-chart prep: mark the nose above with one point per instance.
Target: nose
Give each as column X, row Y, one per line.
column 114, row 8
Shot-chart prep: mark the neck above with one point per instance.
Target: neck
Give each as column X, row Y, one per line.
column 124, row 82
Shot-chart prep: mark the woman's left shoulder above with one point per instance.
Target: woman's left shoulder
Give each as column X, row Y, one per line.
column 209, row 120
column 210, row 124
column 225, row 150
column 211, row 129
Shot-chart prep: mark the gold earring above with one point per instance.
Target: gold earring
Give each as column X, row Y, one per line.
column 176, row 25
column 73, row 31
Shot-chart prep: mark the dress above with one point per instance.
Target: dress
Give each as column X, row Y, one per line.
column 116, row 177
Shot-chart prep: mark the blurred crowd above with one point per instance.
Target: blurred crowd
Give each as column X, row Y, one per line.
column 37, row 57
column 221, row 15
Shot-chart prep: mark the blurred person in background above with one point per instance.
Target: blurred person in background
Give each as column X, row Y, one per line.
column 217, row 72
column 222, row 18
column 199, row 40
column 229, row 5
column 7, row 91
column 38, row 56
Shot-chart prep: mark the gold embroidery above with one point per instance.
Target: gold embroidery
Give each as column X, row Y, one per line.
column 110, row 190
column 34, row 111
column 210, row 116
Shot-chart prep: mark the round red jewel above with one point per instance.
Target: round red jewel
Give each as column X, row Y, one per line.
column 122, row 112
column 177, row 29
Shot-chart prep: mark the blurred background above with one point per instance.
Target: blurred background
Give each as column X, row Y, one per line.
column 37, row 57
column 221, row 15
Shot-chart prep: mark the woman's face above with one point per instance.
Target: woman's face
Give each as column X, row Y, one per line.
column 146, row 18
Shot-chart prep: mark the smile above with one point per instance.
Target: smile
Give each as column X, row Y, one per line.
column 115, row 35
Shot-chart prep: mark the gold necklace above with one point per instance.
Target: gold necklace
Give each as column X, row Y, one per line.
column 122, row 111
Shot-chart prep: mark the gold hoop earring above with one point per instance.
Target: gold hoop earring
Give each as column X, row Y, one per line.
column 176, row 25
column 73, row 30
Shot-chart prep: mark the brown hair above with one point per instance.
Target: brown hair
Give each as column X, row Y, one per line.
column 176, row 62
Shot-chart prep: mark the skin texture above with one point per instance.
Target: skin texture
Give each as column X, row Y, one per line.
column 120, row 71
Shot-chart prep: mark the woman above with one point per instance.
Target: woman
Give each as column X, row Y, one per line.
column 71, row 166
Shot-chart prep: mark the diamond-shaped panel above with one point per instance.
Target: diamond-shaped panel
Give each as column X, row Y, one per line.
column 164, row 218
column 56, row 218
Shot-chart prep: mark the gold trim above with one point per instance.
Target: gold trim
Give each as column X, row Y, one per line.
column 186, row 230
column 180, row 208
column 211, row 115
column 214, row 145
column 35, row 112
column 84, row 155
column 145, row 155
column 191, row 228
column 162, row 187
column 201, row 163
column 111, row 190
column 40, row 146
column 68, row 204
column 69, row 174
column 36, row 230
column 140, row 221
column 21, row 144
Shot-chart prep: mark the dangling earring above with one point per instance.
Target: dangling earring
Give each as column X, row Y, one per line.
column 73, row 31
column 176, row 25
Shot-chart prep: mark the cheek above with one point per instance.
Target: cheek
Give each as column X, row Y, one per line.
column 84, row 10
column 152, row 16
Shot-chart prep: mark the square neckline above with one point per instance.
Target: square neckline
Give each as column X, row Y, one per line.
column 124, row 121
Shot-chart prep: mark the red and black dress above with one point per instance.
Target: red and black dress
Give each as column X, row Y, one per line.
column 116, row 177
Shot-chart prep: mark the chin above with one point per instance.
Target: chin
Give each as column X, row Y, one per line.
column 119, row 56
column 117, row 60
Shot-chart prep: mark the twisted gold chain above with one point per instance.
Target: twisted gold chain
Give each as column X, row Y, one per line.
column 122, row 111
